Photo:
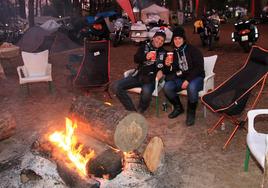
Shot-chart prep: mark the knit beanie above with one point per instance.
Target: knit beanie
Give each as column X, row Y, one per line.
column 179, row 32
column 161, row 33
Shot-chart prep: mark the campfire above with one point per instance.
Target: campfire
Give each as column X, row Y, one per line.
column 67, row 142
column 103, row 146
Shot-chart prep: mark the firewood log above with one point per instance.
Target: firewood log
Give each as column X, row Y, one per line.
column 7, row 125
column 106, row 165
column 2, row 73
column 154, row 154
column 112, row 125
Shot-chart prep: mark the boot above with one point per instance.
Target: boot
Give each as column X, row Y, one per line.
column 177, row 108
column 191, row 108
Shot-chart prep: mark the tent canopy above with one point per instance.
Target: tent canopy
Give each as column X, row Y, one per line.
column 154, row 9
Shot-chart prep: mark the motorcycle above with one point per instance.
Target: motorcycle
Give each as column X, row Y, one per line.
column 10, row 34
column 246, row 34
column 264, row 17
column 95, row 31
column 121, row 30
column 209, row 32
column 92, row 27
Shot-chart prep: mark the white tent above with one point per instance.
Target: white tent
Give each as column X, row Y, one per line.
column 154, row 10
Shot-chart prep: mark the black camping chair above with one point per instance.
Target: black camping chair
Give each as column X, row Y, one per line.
column 230, row 98
column 94, row 71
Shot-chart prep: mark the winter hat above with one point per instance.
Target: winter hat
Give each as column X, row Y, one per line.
column 161, row 33
column 179, row 32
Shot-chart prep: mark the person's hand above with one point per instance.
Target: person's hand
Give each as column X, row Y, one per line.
column 168, row 62
column 150, row 55
column 184, row 84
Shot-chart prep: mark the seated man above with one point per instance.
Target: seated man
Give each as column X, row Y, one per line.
column 150, row 59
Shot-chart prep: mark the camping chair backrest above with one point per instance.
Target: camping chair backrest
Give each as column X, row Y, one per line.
column 35, row 63
column 236, row 90
column 95, row 67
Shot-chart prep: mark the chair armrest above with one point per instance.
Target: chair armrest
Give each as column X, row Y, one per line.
column 209, row 82
column 22, row 72
column 251, row 116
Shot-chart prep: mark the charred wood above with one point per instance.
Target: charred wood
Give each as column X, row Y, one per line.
column 106, row 165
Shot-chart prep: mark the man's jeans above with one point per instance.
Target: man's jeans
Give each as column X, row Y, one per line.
column 121, row 86
column 171, row 88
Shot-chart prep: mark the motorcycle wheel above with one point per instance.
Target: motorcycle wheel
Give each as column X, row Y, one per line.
column 203, row 41
column 246, row 47
column 216, row 38
column 210, row 43
column 116, row 40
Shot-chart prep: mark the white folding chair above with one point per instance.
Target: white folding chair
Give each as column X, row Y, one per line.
column 209, row 64
column 35, row 69
column 158, row 86
column 257, row 142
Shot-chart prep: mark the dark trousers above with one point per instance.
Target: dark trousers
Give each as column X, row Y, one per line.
column 120, row 89
column 171, row 88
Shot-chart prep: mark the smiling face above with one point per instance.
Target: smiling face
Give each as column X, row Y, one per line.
column 178, row 41
column 158, row 41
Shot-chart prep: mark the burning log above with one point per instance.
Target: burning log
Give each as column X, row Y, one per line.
column 7, row 125
column 106, row 165
column 93, row 157
column 112, row 125
column 73, row 179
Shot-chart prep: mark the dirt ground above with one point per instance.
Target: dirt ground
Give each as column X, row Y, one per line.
column 194, row 158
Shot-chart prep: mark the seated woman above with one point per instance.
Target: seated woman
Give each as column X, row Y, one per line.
column 184, row 72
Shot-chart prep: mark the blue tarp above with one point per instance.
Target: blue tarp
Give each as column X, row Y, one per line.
column 105, row 14
column 99, row 16
column 90, row 19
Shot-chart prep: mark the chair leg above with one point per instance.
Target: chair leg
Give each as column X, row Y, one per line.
column 157, row 106
column 246, row 160
column 216, row 125
column 50, row 86
column 28, row 89
column 231, row 136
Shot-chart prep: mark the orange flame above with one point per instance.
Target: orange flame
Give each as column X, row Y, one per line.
column 68, row 143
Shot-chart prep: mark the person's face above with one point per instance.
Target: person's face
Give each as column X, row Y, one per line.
column 178, row 41
column 158, row 41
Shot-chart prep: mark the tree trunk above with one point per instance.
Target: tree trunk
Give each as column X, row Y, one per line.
column 22, row 9
column 258, row 8
column 174, row 5
column 36, row 8
column 200, row 8
column 31, row 13
column 115, row 126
